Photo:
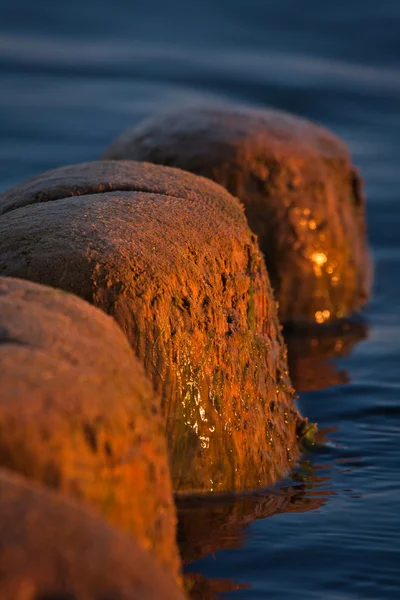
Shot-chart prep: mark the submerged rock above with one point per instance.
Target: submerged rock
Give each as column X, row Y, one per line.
column 53, row 549
column 301, row 194
column 171, row 257
column 78, row 414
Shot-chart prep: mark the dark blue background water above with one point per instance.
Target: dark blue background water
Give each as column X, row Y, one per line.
column 74, row 74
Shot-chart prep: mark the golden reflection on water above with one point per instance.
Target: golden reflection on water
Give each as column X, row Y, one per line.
column 200, row 587
column 210, row 523
column 312, row 353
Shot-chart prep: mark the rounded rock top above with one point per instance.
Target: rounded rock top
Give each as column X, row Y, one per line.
column 53, row 548
column 302, row 196
column 171, row 257
column 78, row 414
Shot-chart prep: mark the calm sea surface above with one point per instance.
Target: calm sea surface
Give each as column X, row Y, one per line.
column 75, row 74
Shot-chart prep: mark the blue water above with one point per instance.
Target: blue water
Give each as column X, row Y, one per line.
column 75, row 74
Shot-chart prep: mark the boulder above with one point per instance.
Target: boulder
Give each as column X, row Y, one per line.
column 78, row 414
column 170, row 256
column 302, row 196
column 53, row 549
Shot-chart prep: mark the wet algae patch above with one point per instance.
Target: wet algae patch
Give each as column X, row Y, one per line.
column 78, row 414
column 170, row 256
column 51, row 548
column 302, row 197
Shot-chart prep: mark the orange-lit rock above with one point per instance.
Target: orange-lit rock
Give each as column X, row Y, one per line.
column 78, row 414
column 51, row 548
column 302, row 197
column 171, row 257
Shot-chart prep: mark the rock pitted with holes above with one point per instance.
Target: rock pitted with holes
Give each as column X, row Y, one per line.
column 170, row 256
column 302, row 197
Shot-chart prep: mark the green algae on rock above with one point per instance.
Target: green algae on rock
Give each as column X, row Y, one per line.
column 170, row 256
column 78, row 414
column 51, row 548
column 301, row 194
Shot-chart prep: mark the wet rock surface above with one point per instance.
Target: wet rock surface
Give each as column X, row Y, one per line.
column 171, row 257
column 53, row 549
column 302, row 197
column 78, row 414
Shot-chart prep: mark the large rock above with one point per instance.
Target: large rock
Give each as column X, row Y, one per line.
column 53, row 549
column 171, row 257
column 78, row 414
column 302, row 197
